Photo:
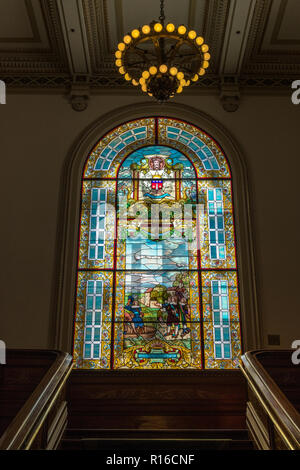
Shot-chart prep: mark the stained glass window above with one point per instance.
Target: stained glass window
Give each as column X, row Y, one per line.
column 157, row 281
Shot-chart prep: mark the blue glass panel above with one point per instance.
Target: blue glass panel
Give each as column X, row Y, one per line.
column 224, row 287
column 88, row 334
column 211, row 208
column 212, row 223
column 219, row 194
column 186, row 134
column 112, row 154
column 96, row 351
column 98, row 287
column 217, row 334
column 218, row 351
column 94, row 194
column 193, row 146
column 212, row 234
column 227, row 354
column 226, row 334
column 105, row 152
column 120, row 146
column 100, row 252
column 183, row 140
column 216, row 303
column 87, row 350
column 94, row 208
column 90, row 287
column 92, row 252
column 102, row 209
column 215, row 287
column 172, row 136
column 221, row 238
column 174, row 129
column 219, row 208
column 220, row 223
column 115, row 142
column 213, row 252
column 106, row 165
column 210, row 194
column 225, row 318
column 89, row 302
column 214, row 164
column 198, row 142
column 97, row 334
column 217, row 318
column 126, row 134
column 97, row 318
column 101, row 223
column 98, row 302
column 89, row 318
column 224, row 302
column 129, row 140
column 139, row 130
column 221, row 252
column 98, row 164
column 101, row 236
column 206, row 164
column 207, row 151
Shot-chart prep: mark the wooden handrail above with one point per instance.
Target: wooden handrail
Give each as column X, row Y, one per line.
column 273, row 401
column 25, row 426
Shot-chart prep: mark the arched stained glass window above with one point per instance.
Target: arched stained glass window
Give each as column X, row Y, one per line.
column 157, row 283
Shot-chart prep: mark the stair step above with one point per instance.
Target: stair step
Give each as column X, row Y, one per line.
column 235, row 434
column 154, row 445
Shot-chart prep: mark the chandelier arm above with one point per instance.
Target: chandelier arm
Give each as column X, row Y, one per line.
column 187, row 71
column 142, row 52
column 145, row 61
column 178, row 45
column 187, row 58
column 158, row 50
column 174, row 50
column 135, row 64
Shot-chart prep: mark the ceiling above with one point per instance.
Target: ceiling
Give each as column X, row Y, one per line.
column 52, row 43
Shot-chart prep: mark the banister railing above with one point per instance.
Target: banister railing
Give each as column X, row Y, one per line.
column 41, row 417
column 273, row 417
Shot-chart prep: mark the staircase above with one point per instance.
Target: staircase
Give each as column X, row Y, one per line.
column 182, row 441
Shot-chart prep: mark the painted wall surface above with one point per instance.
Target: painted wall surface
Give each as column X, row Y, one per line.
column 36, row 134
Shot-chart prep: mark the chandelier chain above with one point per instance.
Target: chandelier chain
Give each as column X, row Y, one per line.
column 162, row 13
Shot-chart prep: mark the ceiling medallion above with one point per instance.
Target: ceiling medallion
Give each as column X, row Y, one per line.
column 162, row 59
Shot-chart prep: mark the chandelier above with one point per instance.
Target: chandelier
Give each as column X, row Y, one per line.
column 162, row 59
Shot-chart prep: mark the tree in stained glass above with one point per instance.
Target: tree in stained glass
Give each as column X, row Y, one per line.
column 157, row 280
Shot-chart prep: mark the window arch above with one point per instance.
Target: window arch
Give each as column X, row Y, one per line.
column 157, row 281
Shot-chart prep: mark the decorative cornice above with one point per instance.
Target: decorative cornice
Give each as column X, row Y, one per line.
column 116, row 84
